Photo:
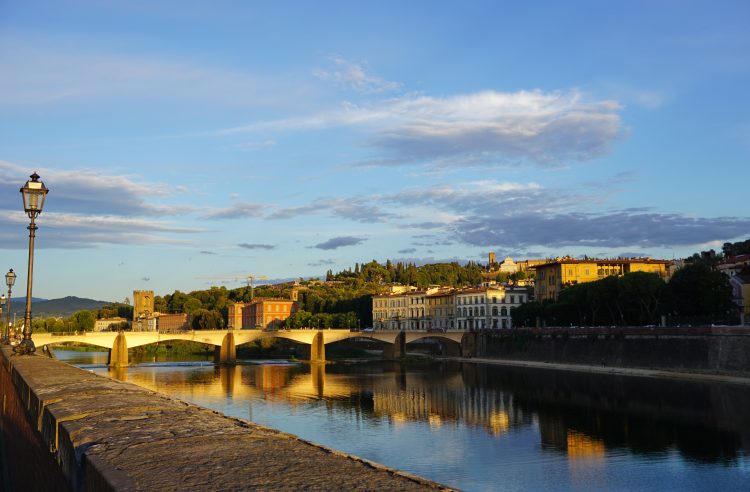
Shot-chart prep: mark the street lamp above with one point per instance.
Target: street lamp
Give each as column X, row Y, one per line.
column 10, row 279
column 5, row 339
column 34, row 193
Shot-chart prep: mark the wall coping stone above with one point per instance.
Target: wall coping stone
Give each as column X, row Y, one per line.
column 114, row 436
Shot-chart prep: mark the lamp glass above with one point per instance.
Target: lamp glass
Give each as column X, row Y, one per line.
column 34, row 192
column 10, row 278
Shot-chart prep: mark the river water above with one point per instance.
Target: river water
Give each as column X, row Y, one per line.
column 483, row 427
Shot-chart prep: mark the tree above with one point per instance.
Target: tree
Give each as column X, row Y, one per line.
column 699, row 294
column 82, row 321
column 204, row 319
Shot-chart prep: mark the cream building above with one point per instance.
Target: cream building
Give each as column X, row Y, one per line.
column 479, row 308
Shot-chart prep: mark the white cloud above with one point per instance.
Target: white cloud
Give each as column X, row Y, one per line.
column 89, row 191
column 354, row 76
column 479, row 129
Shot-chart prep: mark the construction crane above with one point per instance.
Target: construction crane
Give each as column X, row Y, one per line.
column 249, row 279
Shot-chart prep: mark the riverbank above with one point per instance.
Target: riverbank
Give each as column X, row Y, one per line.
column 619, row 371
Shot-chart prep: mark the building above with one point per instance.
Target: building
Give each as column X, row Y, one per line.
column 440, row 311
column 508, row 265
column 555, row 275
column 487, row 308
column 143, row 304
column 491, row 259
column 741, row 295
column 389, row 311
column 733, row 265
column 477, row 308
column 105, row 323
column 171, row 322
column 260, row 313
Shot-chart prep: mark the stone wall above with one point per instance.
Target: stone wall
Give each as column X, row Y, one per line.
column 700, row 349
column 68, row 429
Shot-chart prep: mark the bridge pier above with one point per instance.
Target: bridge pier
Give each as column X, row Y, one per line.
column 118, row 354
column 318, row 348
column 227, row 352
column 397, row 349
column 469, row 344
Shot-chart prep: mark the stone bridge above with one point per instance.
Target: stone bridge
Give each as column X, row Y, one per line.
column 226, row 341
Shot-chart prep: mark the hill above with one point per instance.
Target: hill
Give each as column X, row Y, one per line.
column 64, row 306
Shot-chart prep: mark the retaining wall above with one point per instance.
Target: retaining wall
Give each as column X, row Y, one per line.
column 64, row 428
column 700, row 349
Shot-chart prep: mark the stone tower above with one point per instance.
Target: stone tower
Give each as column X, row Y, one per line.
column 492, row 259
column 143, row 303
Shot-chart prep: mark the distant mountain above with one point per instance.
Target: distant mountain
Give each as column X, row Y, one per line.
column 54, row 307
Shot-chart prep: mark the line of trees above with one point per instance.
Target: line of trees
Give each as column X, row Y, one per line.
column 453, row 274
column 696, row 294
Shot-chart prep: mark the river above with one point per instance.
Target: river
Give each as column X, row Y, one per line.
column 483, row 427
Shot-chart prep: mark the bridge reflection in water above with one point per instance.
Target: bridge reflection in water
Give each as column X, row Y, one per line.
column 583, row 416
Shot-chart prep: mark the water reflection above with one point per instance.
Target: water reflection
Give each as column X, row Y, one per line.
column 451, row 421
column 579, row 415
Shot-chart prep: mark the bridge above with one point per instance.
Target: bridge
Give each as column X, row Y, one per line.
column 225, row 342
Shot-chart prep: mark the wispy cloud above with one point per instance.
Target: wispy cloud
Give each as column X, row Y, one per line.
column 339, row 242
column 255, row 145
column 90, row 192
column 49, row 73
column 88, row 231
column 354, row 76
column 257, row 246
column 237, row 211
column 328, row 262
column 356, row 209
column 479, row 129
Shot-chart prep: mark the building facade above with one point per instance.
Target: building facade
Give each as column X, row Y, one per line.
column 741, row 295
column 172, row 322
column 480, row 308
column 104, row 324
column 143, row 304
column 553, row 276
column 262, row 313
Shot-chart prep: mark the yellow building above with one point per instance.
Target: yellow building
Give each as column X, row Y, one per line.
column 553, row 276
column 440, row 310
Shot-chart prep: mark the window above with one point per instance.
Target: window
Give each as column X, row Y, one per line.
column 494, row 300
column 570, row 272
column 512, row 299
column 587, row 272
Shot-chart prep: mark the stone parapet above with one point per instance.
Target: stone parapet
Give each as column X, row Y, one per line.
column 94, row 433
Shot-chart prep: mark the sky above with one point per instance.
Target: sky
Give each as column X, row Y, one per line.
column 187, row 144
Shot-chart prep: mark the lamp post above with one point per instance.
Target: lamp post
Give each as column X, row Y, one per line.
column 10, row 279
column 5, row 339
column 34, row 193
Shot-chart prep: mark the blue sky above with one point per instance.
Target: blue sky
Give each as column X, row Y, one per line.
column 185, row 142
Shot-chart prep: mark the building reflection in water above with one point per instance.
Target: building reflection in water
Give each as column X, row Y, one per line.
column 581, row 415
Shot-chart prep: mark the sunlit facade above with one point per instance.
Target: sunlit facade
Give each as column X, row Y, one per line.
column 480, row 308
column 260, row 314
column 554, row 276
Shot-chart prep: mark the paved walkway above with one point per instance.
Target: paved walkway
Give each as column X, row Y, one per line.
column 621, row 371
column 104, row 431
